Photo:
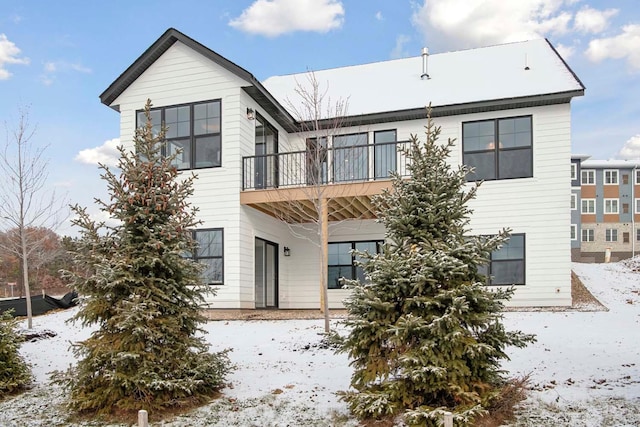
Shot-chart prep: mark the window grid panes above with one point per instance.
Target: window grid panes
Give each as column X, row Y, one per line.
column 574, row 202
column 498, row 149
column 209, row 251
column 193, row 133
column 611, row 235
column 588, row 177
column 637, row 177
column 507, row 264
column 588, row 235
column 574, row 171
column 610, row 177
column 588, row 206
column 342, row 263
column 611, row 206
column 574, row 231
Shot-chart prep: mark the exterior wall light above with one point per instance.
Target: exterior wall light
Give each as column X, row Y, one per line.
column 251, row 114
column 287, row 251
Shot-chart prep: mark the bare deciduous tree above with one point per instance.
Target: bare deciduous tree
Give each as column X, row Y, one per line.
column 26, row 201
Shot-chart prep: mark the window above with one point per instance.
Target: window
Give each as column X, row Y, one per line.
column 574, row 232
column 637, row 205
column 574, row 171
column 317, row 158
column 611, row 235
column 342, row 261
column 588, row 206
column 611, row 206
column 637, row 176
column 625, row 237
column 384, row 154
column 587, row 177
column 210, row 252
column 507, row 264
column 638, row 234
column 625, row 208
column 351, row 157
column 498, row 149
column 587, row 235
column 610, row 177
column 193, row 133
column 574, row 201
column 625, row 179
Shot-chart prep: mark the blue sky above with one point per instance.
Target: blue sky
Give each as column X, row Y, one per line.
column 57, row 57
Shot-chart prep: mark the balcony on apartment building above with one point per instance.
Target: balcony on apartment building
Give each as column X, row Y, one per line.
column 291, row 186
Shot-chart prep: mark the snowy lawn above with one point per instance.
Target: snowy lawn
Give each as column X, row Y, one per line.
column 585, row 367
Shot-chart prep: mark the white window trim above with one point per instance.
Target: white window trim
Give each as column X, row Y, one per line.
column 574, row 232
column 617, row 206
column 610, row 231
column 615, row 173
column 574, row 201
column 574, row 171
column 636, row 206
column 587, row 172
column 637, row 176
column 593, row 202
column 589, row 231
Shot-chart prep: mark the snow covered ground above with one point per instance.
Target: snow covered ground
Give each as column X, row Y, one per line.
column 584, row 369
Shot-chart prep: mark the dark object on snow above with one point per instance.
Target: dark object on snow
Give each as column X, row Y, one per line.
column 40, row 304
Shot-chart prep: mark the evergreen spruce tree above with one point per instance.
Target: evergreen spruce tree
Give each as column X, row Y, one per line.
column 15, row 373
column 424, row 333
column 141, row 292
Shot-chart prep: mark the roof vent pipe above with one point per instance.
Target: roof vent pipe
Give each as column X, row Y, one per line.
column 425, row 57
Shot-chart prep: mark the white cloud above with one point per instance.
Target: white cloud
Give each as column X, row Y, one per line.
column 9, row 54
column 398, row 50
column 272, row 18
column 51, row 68
column 631, row 149
column 107, row 154
column 624, row 45
column 472, row 23
column 589, row 20
column 565, row 51
column 379, row 16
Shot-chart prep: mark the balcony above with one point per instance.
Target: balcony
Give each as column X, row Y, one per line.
column 290, row 186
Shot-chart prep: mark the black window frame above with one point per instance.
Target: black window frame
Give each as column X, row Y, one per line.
column 353, row 268
column 192, row 138
column 385, row 153
column 495, row 148
column 197, row 257
column 347, row 165
column 489, row 269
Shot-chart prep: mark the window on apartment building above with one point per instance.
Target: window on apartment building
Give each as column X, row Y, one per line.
column 193, row 133
column 507, row 264
column 588, row 206
column 610, row 177
column 625, row 208
column 574, row 232
column 574, row 202
column 587, row 177
column 611, row 206
column 209, row 251
column 625, row 179
column 498, row 149
column 625, row 237
column 351, row 157
column 637, row 177
column 637, row 205
column 384, row 154
column 588, row 235
column 611, row 235
column 638, row 234
column 574, row 171
column 342, row 262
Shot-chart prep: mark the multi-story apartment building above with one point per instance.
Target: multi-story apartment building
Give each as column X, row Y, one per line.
column 508, row 107
column 605, row 209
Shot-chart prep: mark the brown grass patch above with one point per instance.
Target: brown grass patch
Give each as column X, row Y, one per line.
column 503, row 407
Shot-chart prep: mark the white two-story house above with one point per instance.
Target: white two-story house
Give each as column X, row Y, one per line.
column 507, row 107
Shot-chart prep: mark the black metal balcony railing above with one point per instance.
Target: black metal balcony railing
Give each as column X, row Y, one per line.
column 321, row 165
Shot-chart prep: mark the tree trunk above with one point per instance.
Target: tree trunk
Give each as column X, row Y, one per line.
column 25, row 277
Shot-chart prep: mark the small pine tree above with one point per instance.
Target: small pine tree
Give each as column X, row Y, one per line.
column 15, row 373
column 424, row 334
column 141, row 292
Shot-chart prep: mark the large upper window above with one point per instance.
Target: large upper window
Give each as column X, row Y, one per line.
column 342, row 263
column 192, row 129
column 498, row 149
column 209, row 251
column 507, row 264
column 385, row 152
column 350, row 157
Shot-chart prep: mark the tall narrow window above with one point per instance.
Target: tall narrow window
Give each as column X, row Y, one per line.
column 574, row 201
column 209, row 252
column 266, row 146
column 574, row 232
column 316, row 158
column 498, row 149
column 385, row 152
column 574, row 171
